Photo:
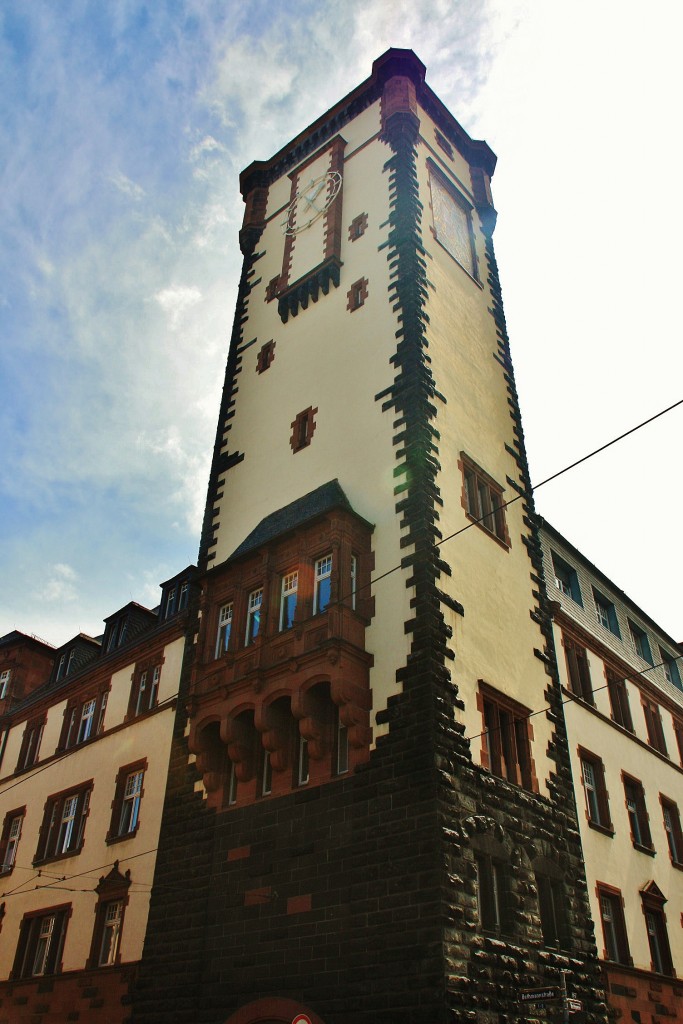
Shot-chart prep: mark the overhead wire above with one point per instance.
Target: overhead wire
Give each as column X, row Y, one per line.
column 372, row 582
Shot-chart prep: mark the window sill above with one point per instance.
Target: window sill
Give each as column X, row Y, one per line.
column 649, row 850
column 111, row 840
column 58, row 856
column 606, row 830
column 489, row 533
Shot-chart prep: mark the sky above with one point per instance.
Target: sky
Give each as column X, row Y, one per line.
column 123, row 129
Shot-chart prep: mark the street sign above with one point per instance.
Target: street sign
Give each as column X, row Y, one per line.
column 302, row 1018
column 538, row 995
column 574, row 1005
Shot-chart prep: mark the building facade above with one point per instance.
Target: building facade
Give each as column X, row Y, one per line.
column 621, row 678
column 376, row 820
column 84, row 759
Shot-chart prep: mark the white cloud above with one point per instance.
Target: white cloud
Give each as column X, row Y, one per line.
column 177, row 300
column 126, row 186
column 61, row 584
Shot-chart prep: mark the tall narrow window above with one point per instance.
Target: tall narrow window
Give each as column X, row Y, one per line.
column 232, row 788
column 670, row 665
column 30, row 743
column 618, row 698
column 303, row 765
column 128, row 792
column 637, row 813
column 342, row 751
column 593, row 775
column 5, row 676
column 111, row 930
column 323, row 584
column 653, row 722
column 613, row 925
column 507, row 749
column 354, row 580
column 266, row 774
column 672, row 827
column 492, row 894
column 290, row 584
column 303, row 428
column 641, row 642
column 254, row 615
column 655, row 923
column 551, row 906
column 11, row 834
column 131, row 803
column 578, row 670
column 224, row 629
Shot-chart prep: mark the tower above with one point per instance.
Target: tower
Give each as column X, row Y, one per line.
column 371, row 825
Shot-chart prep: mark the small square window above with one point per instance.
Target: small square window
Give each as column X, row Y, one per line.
column 303, row 428
column 265, row 357
column 671, row 670
column 357, row 294
column 357, row 226
column 566, row 579
column 640, row 642
column 606, row 613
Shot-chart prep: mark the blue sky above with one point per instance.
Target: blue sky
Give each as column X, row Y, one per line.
column 123, row 128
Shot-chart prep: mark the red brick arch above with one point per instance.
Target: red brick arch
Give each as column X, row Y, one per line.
column 272, row 1010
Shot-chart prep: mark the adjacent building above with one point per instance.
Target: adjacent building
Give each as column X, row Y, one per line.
column 84, row 747
column 376, row 819
column 621, row 677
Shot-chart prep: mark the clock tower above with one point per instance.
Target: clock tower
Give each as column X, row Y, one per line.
column 370, row 815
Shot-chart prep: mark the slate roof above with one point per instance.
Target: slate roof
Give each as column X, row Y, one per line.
column 316, row 503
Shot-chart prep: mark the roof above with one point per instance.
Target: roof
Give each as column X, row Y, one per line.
column 316, row 503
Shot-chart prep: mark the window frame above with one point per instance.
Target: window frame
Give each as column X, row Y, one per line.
column 31, row 930
column 29, row 752
column 654, row 725
column 73, row 733
column 641, row 642
column 322, row 579
column 552, row 900
column 7, row 862
column 617, row 943
column 673, row 831
column 636, row 810
column 475, row 483
column 122, row 799
column 507, row 744
column 303, row 427
column 578, row 669
column 670, row 666
column 566, row 578
column 652, row 905
column 289, row 587
column 254, row 611
column 619, row 700
column 62, row 831
column 597, row 812
column 5, row 679
column 610, row 622
column 226, row 613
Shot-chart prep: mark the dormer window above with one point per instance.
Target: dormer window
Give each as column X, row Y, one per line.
column 117, row 634
column 5, row 677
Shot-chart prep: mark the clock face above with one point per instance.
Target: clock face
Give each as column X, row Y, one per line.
column 311, row 202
